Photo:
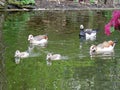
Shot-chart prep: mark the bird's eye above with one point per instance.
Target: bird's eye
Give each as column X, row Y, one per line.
column 93, row 50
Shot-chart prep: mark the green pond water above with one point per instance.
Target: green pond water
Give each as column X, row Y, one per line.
column 76, row 71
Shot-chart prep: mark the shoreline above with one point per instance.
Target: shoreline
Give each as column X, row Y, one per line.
column 59, row 9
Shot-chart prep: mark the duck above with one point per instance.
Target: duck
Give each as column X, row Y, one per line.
column 19, row 54
column 38, row 40
column 51, row 56
column 103, row 48
column 82, row 32
column 88, row 34
column 38, row 37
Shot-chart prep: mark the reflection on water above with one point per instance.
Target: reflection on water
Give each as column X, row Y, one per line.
column 35, row 50
column 105, row 56
column 76, row 70
column 3, row 77
column 32, row 51
column 49, row 61
column 17, row 60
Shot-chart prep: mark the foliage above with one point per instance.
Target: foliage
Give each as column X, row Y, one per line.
column 92, row 1
column 112, row 29
column 21, row 2
column 28, row 1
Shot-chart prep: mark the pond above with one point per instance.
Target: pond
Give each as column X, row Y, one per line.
column 76, row 71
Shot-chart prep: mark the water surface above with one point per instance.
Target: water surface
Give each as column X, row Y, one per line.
column 76, row 71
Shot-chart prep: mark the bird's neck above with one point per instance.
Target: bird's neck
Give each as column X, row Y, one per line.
column 81, row 29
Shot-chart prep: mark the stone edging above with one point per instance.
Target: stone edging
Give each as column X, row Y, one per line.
column 49, row 9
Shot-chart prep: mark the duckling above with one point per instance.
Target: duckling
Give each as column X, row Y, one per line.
column 51, row 56
column 38, row 40
column 21, row 54
column 105, row 47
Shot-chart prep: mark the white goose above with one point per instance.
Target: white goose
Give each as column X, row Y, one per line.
column 38, row 40
column 104, row 48
column 51, row 56
column 19, row 54
column 88, row 34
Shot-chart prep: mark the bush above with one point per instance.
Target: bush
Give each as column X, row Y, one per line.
column 21, row 2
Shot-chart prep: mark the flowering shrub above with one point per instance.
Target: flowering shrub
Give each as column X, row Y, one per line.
column 114, row 23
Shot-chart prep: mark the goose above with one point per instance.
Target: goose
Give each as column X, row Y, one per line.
column 19, row 54
column 38, row 37
column 38, row 40
column 88, row 34
column 51, row 56
column 103, row 48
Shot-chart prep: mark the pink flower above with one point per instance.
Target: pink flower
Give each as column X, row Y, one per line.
column 114, row 22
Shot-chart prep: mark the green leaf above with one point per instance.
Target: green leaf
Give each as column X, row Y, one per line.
column 112, row 29
column 92, row 1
